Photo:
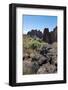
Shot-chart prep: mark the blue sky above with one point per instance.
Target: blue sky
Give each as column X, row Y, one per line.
column 38, row 22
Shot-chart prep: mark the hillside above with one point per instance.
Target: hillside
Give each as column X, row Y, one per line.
column 39, row 57
column 46, row 36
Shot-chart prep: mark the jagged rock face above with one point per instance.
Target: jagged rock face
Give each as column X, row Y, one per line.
column 35, row 33
column 53, row 35
column 46, row 36
column 50, row 37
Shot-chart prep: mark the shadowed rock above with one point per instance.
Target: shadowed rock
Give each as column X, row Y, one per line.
column 46, row 36
column 50, row 37
column 35, row 33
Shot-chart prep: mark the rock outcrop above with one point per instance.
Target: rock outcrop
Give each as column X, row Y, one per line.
column 50, row 37
column 46, row 36
column 35, row 33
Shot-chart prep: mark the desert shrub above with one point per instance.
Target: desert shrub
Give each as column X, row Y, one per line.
column 30, row 44
column 35, row 44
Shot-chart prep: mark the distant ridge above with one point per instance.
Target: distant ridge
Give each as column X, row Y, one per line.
column 46, row 36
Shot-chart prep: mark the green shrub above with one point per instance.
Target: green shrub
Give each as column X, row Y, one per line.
column 35, row 44
column 30, row 43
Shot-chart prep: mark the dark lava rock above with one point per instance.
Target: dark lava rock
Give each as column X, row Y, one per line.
column 45, row 49
column 42, row 60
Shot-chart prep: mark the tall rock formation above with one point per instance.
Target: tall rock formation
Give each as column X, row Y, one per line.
column 46, row 36
column 50, row 37
column 35, row 33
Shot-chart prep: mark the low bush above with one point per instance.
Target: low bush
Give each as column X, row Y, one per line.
column 35, row 44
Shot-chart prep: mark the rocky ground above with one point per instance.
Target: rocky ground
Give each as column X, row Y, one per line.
column 42, row 61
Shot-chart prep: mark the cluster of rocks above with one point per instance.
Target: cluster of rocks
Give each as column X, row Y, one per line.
column 46, row 36
column 35, row 33
column 44, row 62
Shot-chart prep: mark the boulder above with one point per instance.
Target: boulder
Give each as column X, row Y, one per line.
column 45, row 49
column 46, row 69
column 42, row 60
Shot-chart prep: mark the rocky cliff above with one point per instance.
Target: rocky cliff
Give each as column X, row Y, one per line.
column 46, row 36
column 50, row 37
column 35, row 33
